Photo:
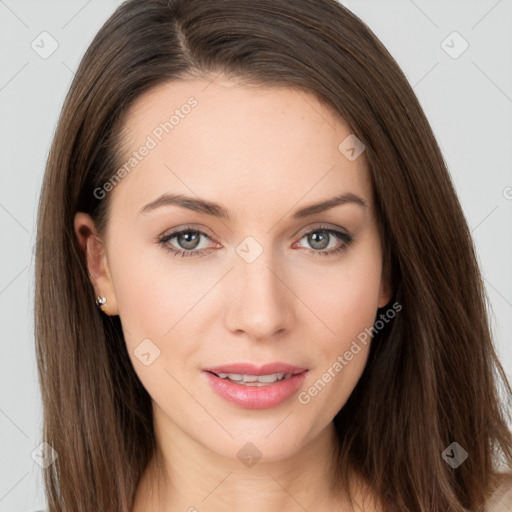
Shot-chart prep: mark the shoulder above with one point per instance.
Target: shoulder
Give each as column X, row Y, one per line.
column 365, row 498
column 501, row 499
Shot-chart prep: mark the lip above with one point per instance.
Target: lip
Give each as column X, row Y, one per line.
column 251, row 369
column 256, row 397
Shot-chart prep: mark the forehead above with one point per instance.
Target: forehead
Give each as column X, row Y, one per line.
column 221, row 140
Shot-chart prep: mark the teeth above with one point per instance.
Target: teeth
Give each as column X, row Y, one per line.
column 254, row 379
column 250, row 378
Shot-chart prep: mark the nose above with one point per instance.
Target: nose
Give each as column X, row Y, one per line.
column 260, row 303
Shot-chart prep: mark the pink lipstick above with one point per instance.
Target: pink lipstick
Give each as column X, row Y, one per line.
column 256, row 387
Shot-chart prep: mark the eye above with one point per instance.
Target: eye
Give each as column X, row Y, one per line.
column 321, row 238
column 188, row 239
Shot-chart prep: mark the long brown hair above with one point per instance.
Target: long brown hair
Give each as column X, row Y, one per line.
column 432, row 377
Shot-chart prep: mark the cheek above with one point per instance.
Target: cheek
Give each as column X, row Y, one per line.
column 347, row 304
column 344, row 298
column 158, row 306
column 169, row 304
column 153, row 290
column 137, row 287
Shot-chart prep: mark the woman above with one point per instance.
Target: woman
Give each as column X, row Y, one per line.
column 255, row 286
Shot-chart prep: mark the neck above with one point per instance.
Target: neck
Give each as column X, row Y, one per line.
column 193, row 478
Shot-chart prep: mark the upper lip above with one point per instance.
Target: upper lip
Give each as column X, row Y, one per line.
column 251, row 369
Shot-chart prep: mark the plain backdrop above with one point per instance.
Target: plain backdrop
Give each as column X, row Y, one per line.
column 463, row 81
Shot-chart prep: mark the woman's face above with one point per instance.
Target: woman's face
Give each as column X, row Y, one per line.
column 259, row 285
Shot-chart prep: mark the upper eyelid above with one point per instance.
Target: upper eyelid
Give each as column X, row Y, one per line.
column 322, row 227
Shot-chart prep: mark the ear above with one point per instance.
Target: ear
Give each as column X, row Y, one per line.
column 96, row 261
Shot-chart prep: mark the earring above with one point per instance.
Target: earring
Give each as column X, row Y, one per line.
column 100, row 301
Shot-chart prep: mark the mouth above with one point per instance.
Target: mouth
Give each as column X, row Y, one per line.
column 249, row 386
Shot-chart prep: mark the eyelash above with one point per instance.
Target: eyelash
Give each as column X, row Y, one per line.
column 344, row 237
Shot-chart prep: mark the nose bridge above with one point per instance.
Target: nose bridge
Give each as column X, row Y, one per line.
column 259, row 302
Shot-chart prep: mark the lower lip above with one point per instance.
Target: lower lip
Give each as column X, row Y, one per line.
column 256, row 397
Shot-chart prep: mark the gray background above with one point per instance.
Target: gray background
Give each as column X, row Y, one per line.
column 467, row 99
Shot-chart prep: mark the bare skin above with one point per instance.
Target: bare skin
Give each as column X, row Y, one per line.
column 262, row 154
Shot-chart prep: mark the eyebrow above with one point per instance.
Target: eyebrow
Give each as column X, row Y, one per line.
column 216, row 210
